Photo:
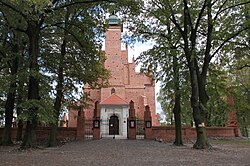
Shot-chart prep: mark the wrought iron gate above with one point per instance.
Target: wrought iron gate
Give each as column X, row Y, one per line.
column 88, row 128
column 140, row 129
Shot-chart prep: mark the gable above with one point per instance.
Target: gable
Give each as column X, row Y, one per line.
column 114, row 100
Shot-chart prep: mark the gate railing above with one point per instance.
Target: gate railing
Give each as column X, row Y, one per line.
column 88, row 129
column 104, row 127
column 140, row 129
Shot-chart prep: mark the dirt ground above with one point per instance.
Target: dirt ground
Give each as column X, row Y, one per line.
column 125, row 153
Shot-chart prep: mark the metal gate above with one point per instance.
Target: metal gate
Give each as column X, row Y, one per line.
column 140, row 129
column 88, row 129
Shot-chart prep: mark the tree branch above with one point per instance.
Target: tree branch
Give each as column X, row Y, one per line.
column 227, row 40
column 217, row 14
column 175, row 21
column 200, row 15
column 188, row 14
column 230, row 7
column 81, row 2
column 71, row 33
column 13, row 8
column 244, row 66
column 209, row 40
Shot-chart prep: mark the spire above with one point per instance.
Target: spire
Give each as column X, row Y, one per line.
column 133, row 59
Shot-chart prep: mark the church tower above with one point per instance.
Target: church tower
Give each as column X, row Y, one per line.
column 113, row 51
column 114, row 61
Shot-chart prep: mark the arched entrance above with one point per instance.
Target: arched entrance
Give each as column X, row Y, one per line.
column 114, row 125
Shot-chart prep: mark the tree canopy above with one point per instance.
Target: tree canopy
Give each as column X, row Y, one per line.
column 203, row 33
column 56, row 47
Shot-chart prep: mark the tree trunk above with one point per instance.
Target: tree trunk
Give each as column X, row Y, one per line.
column 202, row 77
column 10, row 104
column 177, row 106
column 201, row 141
column 177, row 117
column 29, row 139
column 33, row 31
column 53, row 134
column 9, row 107
column 57, row 105
column 19, row 133
column 20, row 98
column 200, row 81
column 59, row 87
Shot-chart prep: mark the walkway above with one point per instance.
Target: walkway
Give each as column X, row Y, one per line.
column 109, row 152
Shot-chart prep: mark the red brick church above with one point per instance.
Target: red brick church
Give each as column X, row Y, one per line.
column 125, row 85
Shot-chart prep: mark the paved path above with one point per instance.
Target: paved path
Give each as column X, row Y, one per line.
column 109, row 152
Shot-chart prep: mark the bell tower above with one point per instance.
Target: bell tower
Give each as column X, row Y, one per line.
column 113, row 51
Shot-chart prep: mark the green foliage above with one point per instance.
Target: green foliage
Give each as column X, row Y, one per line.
column 217, row 108
column 41, row 110
column 213, row 35
column 80, row 25
column 241, row 96
column 166, row 98
column 48, row 49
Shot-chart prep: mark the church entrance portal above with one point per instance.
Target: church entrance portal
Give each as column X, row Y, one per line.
column 114, row 125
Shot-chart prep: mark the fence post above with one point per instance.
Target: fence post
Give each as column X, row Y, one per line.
column 232, row 117
column 96, row 122
column 131, row 121
column 148, row 134
column 80, row 132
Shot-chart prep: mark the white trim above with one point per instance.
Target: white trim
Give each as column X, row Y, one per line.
column 121, row 112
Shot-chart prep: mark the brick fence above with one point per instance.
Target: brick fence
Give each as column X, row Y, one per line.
column 43, row 133
column 158, row 132
column 168, row 132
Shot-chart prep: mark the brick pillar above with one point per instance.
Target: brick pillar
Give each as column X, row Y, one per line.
column 80, row 132
column 131, row 121
column 148, row 134
column 96, row 122
column 232, row 117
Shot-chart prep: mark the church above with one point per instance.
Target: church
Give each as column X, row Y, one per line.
column 125, row 84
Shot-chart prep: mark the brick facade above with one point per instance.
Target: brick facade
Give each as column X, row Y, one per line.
column 127, row 83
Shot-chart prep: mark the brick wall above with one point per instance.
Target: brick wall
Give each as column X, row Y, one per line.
column 43, row 133
column 168, row 132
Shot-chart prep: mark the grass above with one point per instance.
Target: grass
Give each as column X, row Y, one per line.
column 231, row 142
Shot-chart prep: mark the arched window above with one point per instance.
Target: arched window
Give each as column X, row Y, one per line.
column 112, row 91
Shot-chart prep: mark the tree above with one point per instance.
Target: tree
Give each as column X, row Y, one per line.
column 169, row 75
column 86, row 59
column 10, row 51
column 33, row 18
column 202, row 29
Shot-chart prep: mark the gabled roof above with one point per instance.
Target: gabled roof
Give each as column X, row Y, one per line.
column 114, row 100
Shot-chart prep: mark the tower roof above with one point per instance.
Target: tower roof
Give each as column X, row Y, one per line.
column 114, row 100
column 113, row 20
